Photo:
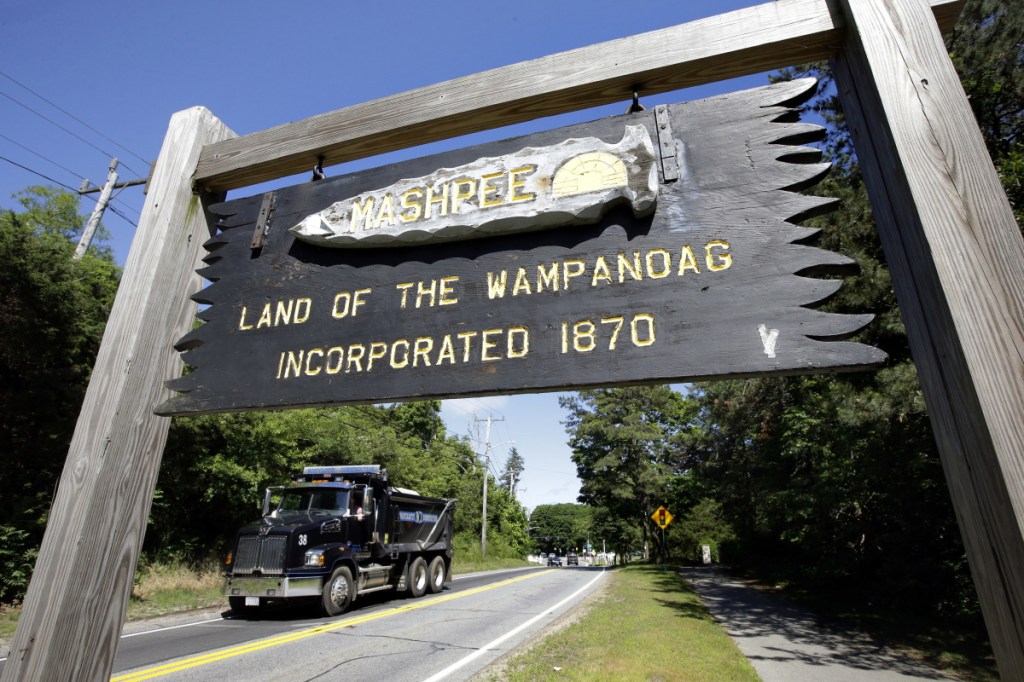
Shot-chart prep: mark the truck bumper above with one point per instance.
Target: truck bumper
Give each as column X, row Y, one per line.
column 273, row 587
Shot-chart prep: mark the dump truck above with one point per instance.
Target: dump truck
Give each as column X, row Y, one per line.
column 336, row 533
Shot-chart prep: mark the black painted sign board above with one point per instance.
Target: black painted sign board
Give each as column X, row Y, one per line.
column 658, row 246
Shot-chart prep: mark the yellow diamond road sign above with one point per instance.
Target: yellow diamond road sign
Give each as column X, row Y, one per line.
column 662, row 517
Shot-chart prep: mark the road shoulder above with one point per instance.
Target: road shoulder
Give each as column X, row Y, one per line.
column 786, row 643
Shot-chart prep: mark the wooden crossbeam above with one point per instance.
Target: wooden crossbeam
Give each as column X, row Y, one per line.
column 739, row 43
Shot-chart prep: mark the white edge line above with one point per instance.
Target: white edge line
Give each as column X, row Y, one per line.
column 511, row 633
column 174, row 627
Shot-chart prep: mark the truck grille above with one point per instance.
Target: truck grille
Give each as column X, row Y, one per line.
column 263, row 554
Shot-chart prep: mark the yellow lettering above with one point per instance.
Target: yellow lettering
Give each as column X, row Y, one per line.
column 467, row 343
column 404, row 288
column 715, row 261
column 570, row 269
column 634, row 268
column 666, row 263
column 265, row 318
column 522, row 284
column 464, row 188
column 600, row 272
column 547, row 278
column 378, row 351
column 496, row 284
column 447, row 290
column 515, row 184
column 317, row 352
column 634, row 329
column 486, row 345
column 384, row 213
column 396, row 364
column 242, row 326
column 487, row 188
column 441, row 201
column 411, row 210
column 522, row 347
column 362, row 212
column 356, row 352
column 617, row 321
column 333, row 366
column 422, row 292
column 357, row 300
column 447, row 351
column 293, row 365
column 423, row 346
column 687, row 261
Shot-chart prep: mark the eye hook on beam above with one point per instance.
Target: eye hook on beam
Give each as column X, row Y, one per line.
column 318, row 170
column 636, row 107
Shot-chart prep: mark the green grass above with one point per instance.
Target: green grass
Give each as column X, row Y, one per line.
column 645, row 625
column 168, row 588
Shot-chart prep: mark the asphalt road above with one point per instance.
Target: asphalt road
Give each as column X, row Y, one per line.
column 449, row 636
column 785, row 643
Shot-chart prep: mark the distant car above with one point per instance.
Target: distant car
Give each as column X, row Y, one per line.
column 554, row 560
column 572, row 559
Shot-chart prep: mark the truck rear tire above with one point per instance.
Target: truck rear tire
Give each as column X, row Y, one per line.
column 418, row 579
column 338, row 592
column 436, row 573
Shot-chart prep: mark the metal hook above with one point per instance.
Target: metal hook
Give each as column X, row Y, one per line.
column 318, row 170
column 636, row 107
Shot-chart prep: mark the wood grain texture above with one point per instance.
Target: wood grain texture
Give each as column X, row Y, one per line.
column 738, row 43
column 72, row 615
column 957, row 261
column 737, row 165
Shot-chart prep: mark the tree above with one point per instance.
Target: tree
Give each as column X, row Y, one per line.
column 837, row 481
column 513, row 471
column 623, row 443
column 562, row 526
column 52, row 313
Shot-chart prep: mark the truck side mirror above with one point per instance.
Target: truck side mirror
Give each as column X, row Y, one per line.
column 368, row 501
column 266, row 502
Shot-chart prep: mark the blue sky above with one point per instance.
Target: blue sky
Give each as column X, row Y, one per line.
column 121, row 69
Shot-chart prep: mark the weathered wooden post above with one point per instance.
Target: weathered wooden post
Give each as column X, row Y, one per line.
column 75, row 606
column 957, row 261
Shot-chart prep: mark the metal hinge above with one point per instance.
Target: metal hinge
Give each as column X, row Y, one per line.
column 259, row 233
column 666, row 143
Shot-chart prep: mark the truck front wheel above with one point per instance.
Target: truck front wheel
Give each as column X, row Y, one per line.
column 338, row 592
column 418, row 577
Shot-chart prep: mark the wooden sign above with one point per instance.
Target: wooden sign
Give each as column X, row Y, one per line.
column 651, row 247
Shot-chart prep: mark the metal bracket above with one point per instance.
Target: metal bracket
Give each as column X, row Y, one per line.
column 259, row 233
column 666, row 143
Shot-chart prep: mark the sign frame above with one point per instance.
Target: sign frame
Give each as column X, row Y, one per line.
column 931, row 183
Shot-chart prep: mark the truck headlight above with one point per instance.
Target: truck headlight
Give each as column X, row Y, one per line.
column 315, row 558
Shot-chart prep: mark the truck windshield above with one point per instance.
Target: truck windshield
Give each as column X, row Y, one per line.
column 313, row 501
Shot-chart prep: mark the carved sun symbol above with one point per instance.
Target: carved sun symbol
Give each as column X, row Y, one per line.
column 589, row 172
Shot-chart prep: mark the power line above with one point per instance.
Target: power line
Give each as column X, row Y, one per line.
column 69, row 114
column 66, row 130
column 77, row 175
column 61, row 184
column 32, row 151
column 35, row 172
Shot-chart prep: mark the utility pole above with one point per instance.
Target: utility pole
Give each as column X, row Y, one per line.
column 487, row 470
column 101, row 205
column 97, row 212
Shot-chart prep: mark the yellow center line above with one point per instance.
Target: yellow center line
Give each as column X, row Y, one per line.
column 222, row 654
